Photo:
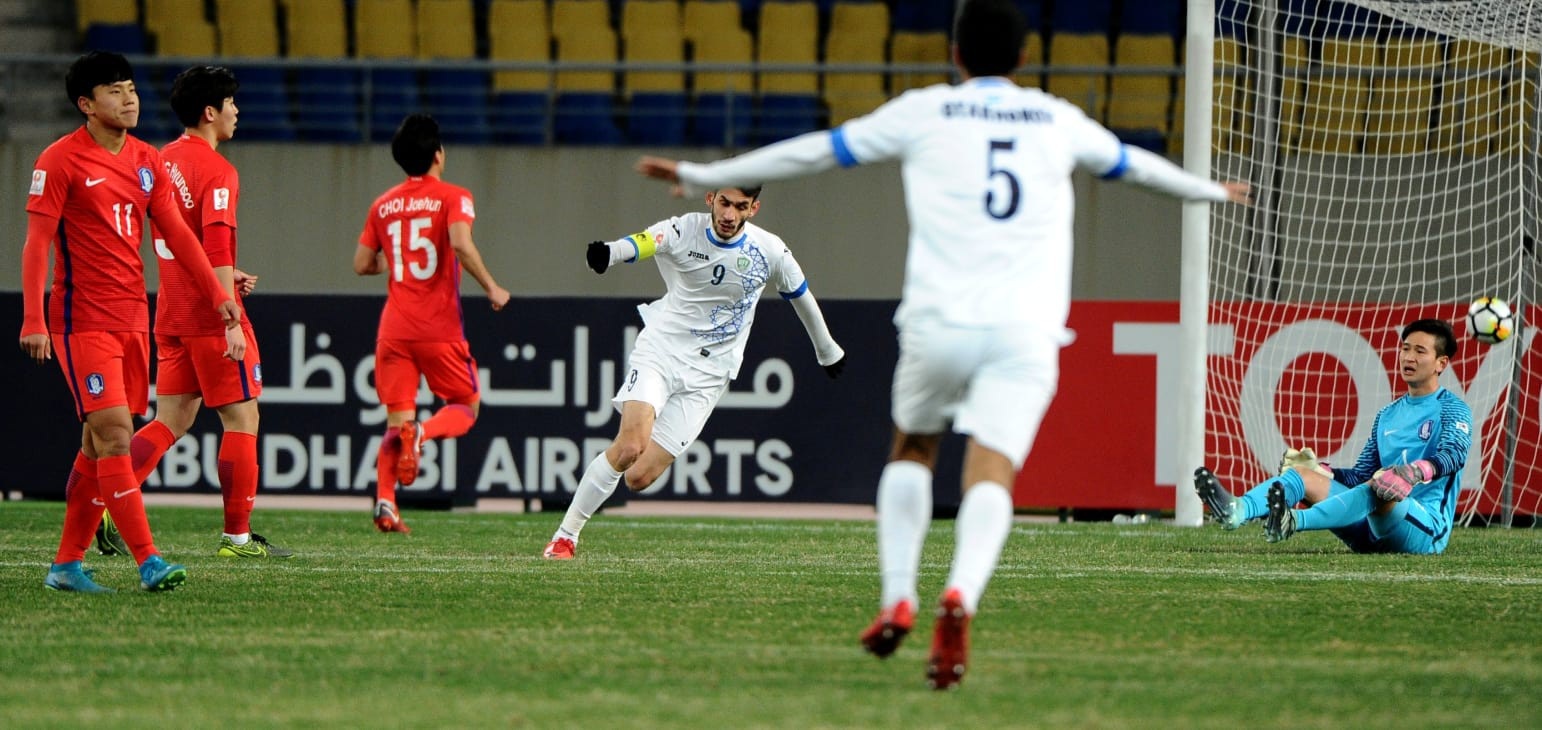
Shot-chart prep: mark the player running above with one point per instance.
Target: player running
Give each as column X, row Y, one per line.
column 88, row 199
column 419, row 234
column 715, row 265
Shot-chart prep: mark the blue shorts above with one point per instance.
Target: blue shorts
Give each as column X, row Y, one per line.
column 1410, row 528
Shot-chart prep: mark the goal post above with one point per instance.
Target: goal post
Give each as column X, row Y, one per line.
column 1392, row 147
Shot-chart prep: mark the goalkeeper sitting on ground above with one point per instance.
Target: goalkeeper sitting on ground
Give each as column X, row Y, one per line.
column 1400, row 496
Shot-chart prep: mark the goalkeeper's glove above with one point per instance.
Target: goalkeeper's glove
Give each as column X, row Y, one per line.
column 835, row 369
column 1394, row 483
column 598, row 256
column 1303, row 458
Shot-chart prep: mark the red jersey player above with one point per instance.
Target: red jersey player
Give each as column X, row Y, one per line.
column 419, row 234
column 191, row 368
column 88, row 199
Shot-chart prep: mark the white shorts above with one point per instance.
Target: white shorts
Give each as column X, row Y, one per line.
column 994, row 384
column 682, row 396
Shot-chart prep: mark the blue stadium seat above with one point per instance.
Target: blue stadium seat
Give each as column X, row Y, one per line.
column 1082, row 16
column 327, row 105
column 786, row 115
column 657, row 118
column 393, row 94
column 1151, row 17
column 458, row 100
column 721, row 120
column 586, row 118
column 157, row 124
column 519, row 117
column 126, row 39
column 923, row 15
column 264, row 102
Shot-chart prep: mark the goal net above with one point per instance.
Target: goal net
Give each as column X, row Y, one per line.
column 1393, row 148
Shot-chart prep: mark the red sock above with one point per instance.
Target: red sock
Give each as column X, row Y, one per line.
column 82, row 511
column 385, row 465
column 149, row 445
column 115, row 481
column 238, row 479
column 452, row 421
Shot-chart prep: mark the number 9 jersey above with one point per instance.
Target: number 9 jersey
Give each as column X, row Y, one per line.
column 410, row 224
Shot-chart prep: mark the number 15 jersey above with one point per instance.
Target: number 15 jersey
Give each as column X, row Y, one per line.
column 410, row 223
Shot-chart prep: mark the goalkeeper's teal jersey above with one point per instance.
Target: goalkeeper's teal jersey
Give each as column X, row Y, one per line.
column 1435, row 427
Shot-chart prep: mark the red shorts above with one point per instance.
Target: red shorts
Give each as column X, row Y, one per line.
column 449, row 367
column 105, row 369
column 196, row 364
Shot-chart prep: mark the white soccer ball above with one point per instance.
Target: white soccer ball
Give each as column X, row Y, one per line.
column 1490, row 320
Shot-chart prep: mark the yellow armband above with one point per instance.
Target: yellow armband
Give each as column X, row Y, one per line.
column 644, row 244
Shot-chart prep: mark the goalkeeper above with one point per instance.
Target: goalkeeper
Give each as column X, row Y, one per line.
column 1400, row 496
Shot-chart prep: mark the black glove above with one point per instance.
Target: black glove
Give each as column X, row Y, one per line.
column 835, row 369
column 598, row 256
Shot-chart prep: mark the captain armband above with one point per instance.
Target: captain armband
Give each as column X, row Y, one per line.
column 643, row 245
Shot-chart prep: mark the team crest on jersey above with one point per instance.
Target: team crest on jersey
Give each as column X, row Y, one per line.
column 95, row 385
column 221, row 198
column 743, row 263
column 146, row 180
column 257, row 373
column 39, row 179
column 466, row 208
column 1426, row 429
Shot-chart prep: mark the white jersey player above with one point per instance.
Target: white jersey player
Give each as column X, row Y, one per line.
column 987, row 172
column 715, row 266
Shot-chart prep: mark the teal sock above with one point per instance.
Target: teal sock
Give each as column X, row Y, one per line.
column 1346, row 509
column 1255, row 503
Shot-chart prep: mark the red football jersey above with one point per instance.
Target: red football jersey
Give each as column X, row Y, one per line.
column 101, row 200
column 411, row 224
column 206, row 188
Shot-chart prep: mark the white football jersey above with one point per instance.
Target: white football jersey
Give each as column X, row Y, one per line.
column 713, row 286
column 987, row 175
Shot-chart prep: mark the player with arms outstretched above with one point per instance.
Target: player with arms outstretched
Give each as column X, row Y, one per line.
column 1400, row 496
column 715, row 266
column 419, row 234
column 987, row 172
column 88, row 199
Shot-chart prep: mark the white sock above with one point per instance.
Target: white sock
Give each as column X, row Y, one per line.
column 240, row 539
column 904, row 514
column 984, row 519
column 596, row 486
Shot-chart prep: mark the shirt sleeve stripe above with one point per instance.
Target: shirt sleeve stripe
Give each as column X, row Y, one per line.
column 794, row 294
column 1119, row 168
column 843, row 155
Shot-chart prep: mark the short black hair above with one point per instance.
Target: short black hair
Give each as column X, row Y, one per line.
column 95, row 68
column 989, row 35
column 1445, row 336
column 200, row 87
column 415, row 142
column 753, row 191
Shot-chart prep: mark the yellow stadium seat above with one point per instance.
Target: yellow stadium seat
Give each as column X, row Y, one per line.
column 595, row 44
column 663, row 45
column 1333, row 118
column 316, row 28
column 731, row 46
column 1473, row 98
column 1033, row 59
column 247, row 28
column 859, row 34
column 384, row 29
column 446, row 29
column 1140, row 102
column 915, row 48
column 651, row 16
column 1398, row 122
column 162, row 15
column 703, row 18
column 579, row 16
column 1088, row 91
column 1295, row 63
column 194, row 38
column 519, row 30
column 789, row 33
column 105, row 12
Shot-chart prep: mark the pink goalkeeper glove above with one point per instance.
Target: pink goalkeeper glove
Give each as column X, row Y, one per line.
column 1393, row 484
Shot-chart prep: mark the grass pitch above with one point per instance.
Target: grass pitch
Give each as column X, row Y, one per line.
column 698, row 623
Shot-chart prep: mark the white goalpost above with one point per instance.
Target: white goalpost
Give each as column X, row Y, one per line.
column 1392, row 146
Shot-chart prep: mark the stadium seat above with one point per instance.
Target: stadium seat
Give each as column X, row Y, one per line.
column 458, row 98
column 859, row 34
column 105, row 12
column 127, row 39
column 1231, row 125
column 923, row 16
column 1153, row 17
column 385, row 29
column 446, row 29
column 1086, row 90
column 1470, row 110
column 1337, row 101
column 264, row 102
column 585, row 107
column 1295, row 64
column 157, row 124
column 316, row 28
column 519, row 30
column 247, row 27
column 1398, row 120
column 580, row 17
column 1138, row 104
column 650, row 16
column 193, row 38
column 165, row 16
column 327, row 104
column 1031, row 73
column 701, row 18
column 1082, row 17
column 910, row 49
column 657, row 99
column 721, row 107
column 789, row 103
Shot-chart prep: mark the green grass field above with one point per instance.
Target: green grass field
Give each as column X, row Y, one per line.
column 700, row 623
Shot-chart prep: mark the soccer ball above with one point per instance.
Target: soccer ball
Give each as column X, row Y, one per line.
column 1490, row 320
